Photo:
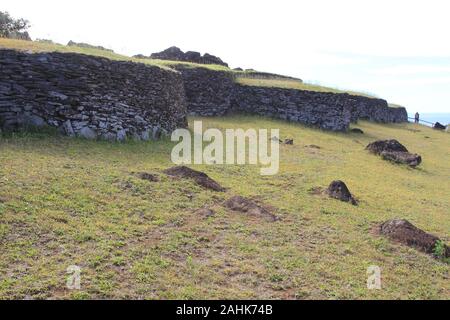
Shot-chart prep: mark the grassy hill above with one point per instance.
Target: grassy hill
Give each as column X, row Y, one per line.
column 241, row 77
column 75, row 202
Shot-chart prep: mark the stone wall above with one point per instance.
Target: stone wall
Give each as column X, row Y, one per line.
column 208, row 92
column 89, row 96
column 327, row 111
column 376, row 110
column 214, row 93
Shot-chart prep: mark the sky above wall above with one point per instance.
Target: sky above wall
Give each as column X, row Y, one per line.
column 398, row 50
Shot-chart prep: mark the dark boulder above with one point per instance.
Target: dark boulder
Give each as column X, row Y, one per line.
column 339, row 190
column 394, row 151
column 404, row 232
column 172, row 53
column 412, row 160
column 439, row 126
column 378, row 147
column 357, row 130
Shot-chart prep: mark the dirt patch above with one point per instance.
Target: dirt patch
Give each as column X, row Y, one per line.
column 339, row 190
column 202, row 179
column 313, row 146
column 250, row 207
column 206, row 212
column 317, row 191
column 148, row 176
column 404, row 232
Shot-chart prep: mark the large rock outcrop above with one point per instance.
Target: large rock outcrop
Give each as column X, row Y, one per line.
column 176, row 54
column 89, row 96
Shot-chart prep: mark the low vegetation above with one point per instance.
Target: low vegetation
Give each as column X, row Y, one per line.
column 70, row 202
column 294, row 84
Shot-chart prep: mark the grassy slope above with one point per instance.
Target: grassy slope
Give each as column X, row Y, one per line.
column 292, row 84
column 69, row 201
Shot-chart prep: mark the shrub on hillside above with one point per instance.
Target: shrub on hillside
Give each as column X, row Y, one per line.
column 13, row 28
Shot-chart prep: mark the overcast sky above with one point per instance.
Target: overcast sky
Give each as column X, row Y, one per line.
column 398, row 50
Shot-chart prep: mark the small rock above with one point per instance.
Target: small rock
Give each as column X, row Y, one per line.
column 439, row 126
column 357, row 130
column 289, row 142
column 339, row 190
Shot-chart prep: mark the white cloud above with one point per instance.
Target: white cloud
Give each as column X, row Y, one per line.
column 291, row 37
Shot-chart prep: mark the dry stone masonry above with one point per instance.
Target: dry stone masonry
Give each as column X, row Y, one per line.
column 215, row 93
column 89, row 96
column 95, row 97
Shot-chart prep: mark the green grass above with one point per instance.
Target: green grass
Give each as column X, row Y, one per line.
column 75, row 202
column 294, row 84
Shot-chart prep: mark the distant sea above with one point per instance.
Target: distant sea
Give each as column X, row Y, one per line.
column 443, row 118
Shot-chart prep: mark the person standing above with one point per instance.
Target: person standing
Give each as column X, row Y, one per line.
column 417, row 117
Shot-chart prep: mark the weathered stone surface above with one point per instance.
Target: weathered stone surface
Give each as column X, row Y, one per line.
column 412, row 160
column 404, row 232
column 380, row 146
column 208, row 92
column 394, row 151
column 89, row 96
column 339, row 190
column 323, row 110
column 376, row 110
column 175, row 54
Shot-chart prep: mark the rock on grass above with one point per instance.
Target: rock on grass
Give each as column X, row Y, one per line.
column 339, row 190
column 394, row 151
column 200, row 178
column 406, row 233
column 412, row 160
